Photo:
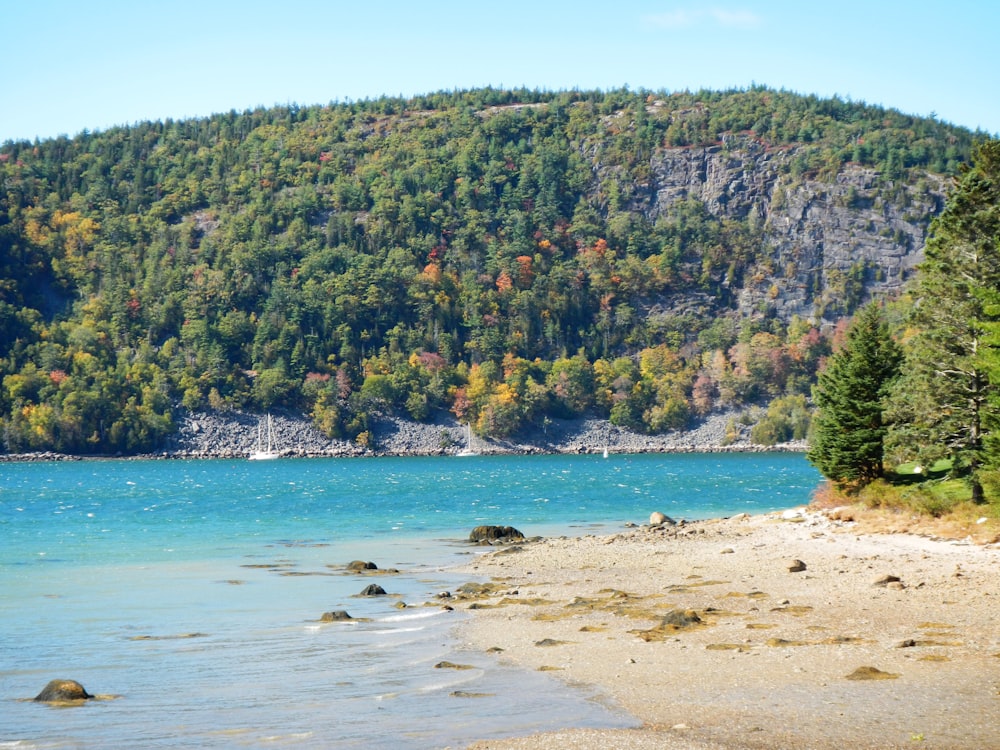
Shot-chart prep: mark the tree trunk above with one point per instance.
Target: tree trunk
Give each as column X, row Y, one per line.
column 978, row 497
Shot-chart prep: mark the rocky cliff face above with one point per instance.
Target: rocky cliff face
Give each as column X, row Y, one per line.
column 833, row 241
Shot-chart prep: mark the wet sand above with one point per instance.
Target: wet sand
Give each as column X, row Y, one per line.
column 787, row 630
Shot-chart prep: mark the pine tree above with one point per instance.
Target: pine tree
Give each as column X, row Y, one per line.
column 848, row 430
column 946, row 404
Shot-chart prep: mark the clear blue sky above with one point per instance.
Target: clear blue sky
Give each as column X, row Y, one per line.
column 69, row 66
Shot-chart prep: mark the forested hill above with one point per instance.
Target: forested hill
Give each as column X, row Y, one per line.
column 508, row 255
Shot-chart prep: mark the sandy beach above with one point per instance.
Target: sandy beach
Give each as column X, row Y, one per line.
column 799, row 629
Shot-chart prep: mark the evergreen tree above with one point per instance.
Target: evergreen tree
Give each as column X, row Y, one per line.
column 946, row 404
column 849, row 431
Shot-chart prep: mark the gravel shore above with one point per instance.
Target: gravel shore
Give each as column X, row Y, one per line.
column 233, row 434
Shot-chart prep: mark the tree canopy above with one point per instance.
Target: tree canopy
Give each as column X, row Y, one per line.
column 492, row 252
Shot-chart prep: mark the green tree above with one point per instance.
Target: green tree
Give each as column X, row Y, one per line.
column 849, row 431
column 571, row 381
column 271, row 387
column 945, row 404
column 787, row 419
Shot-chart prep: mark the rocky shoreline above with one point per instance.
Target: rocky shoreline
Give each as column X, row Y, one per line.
column 233, row 434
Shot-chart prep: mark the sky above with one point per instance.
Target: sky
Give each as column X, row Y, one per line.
column 71, row 66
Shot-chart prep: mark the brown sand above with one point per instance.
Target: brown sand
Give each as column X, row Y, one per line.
column 829, row 657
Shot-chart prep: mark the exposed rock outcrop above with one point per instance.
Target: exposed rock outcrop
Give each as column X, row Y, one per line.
column 836, row 239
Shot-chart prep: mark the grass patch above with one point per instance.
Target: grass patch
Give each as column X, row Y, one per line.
column 939, row 507
column 919, row 473
column 935, row 497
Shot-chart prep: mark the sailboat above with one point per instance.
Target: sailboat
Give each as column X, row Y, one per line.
column 263, row 453
column 468, row 450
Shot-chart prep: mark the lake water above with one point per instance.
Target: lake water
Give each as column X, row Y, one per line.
column 192, row 591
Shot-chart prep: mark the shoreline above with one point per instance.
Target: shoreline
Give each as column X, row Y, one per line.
column 233, row 434
column 41, row 456
column 711, row 638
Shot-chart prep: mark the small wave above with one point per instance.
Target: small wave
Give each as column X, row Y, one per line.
column 471, row 676
column 414, row 616
column 296, row 736
column 393, row 631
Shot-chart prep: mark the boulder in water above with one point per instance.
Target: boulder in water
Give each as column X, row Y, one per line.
column 494, row 533
column 62, row 690
column 338, row 615
column 373, row 590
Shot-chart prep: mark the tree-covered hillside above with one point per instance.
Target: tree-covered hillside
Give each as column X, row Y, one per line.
column 508, row 255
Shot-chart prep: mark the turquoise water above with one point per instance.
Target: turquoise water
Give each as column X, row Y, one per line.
column 192, row 591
